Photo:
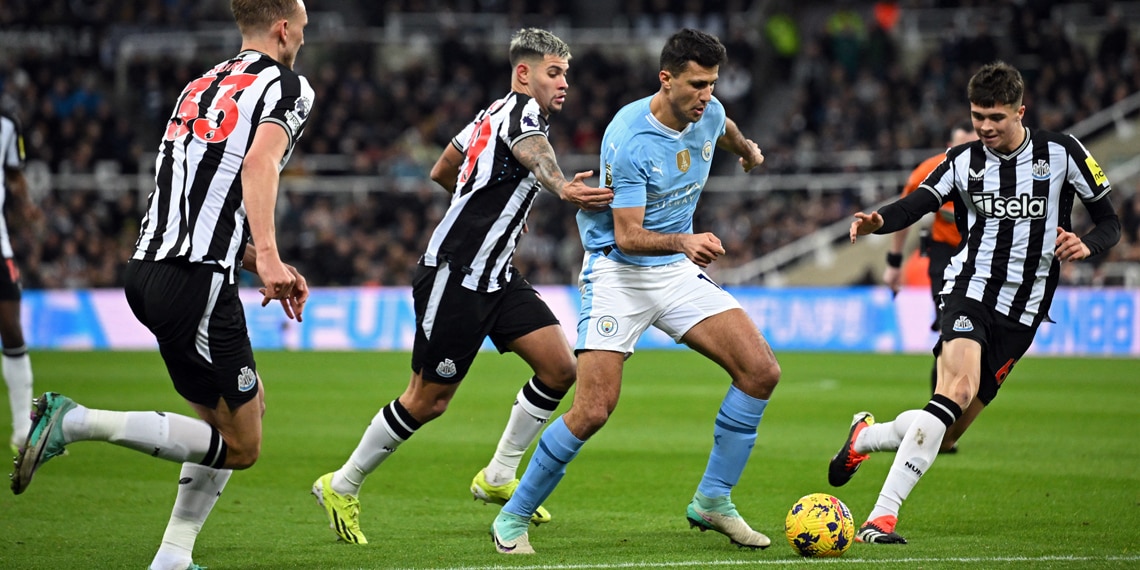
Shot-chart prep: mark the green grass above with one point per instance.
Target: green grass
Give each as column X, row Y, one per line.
column 1047, row 478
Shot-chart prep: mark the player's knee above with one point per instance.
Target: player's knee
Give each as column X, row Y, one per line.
column 559, row 376
column 426, row 410
column 436, row 409
column 760, row 381
column 242, row 456
column 959, row 392
column 592, row 418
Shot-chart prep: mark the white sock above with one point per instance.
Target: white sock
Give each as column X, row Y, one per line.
column 391, row 426
column 885, row 436
column 918, row 449
column 533, row 406
column 198, row 490
column 17, row 369
column 170, row 436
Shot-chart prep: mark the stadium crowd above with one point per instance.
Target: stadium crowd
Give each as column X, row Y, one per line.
column 849, row 91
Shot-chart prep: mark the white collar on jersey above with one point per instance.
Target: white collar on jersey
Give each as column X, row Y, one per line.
column 1016, row 151
column 666, row 130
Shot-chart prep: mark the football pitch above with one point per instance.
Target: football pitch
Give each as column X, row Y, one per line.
column 1049, row 477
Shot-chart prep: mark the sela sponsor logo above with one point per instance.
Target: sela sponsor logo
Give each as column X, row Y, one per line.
column 247, row 379
column 1041, row 169
column 607, row 326
column 446, row 369
column 963, row 324
column 706, row 151
column 1020, row 207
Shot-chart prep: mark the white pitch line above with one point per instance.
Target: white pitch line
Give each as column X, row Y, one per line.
column 799, row 561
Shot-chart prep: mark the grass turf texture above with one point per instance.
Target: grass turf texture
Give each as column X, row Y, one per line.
column 1049, row 477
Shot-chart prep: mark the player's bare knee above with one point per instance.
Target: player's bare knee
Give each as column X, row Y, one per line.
column 242, row 456
column 426, row 410
column 959, row 392
column 437, row 408
column 593, row 417
column 760, row 381
column 560, row 377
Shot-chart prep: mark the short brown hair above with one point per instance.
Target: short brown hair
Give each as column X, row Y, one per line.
column 255, row 15
column 998, row 83
column 692, row 45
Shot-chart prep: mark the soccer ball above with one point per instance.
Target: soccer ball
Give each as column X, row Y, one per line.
column 819, row 525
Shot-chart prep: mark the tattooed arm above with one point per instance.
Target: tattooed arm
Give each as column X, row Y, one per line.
column 536, row 154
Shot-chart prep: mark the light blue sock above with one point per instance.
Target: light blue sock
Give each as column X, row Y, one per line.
column 556, row 448
column 733, row 438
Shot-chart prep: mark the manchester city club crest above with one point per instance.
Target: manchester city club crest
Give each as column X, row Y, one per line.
column 607, row 326
column 683, row 160
column 706, row 151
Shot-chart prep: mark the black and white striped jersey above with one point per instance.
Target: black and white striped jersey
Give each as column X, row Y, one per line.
column 1007, row 209
column 11, row 157
column 493, row 195
column 196, row 211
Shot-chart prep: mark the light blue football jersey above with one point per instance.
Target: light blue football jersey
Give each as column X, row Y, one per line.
column 649, row 164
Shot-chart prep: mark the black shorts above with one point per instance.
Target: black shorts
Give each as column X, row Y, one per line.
column 452, row 320
column 10, row 281
column 938, row 254
column 200, row 325
column 1004, row 341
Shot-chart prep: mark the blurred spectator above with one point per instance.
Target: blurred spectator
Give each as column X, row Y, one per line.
column 783, row 35
column 847, row 91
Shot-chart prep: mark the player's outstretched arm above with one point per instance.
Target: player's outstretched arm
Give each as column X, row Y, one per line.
column 895, row 216
column 865, row 224
column 536, row 154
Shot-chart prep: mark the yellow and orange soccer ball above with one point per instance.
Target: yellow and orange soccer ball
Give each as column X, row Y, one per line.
column 819, row 525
